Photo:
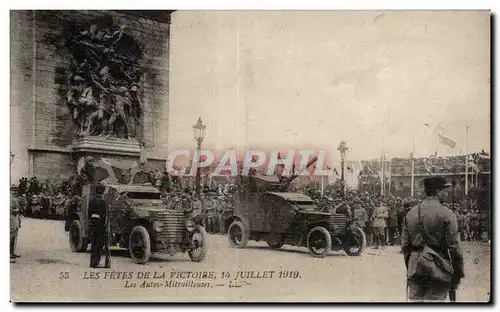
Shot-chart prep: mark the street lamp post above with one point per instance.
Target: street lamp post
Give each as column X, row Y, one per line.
column 343, row 151
column 199, row 134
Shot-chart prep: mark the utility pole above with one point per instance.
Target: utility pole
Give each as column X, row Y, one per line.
column 413, row 165
column 382, row 179
column 466, row 162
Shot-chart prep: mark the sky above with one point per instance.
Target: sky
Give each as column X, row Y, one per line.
column 309, row 79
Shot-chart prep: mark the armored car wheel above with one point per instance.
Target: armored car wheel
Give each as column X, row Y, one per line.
column 238, row 237
column 199, row 244
column 140, row 245
column 356, row 242
column 76, row 240
column 319, row 242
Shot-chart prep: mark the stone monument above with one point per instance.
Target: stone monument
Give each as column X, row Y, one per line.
column 84, row 85
column 104, row 94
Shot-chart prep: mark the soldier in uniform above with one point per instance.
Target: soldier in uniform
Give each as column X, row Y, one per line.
column 441, row 233
column 97, row 215
column 360, row 215
column 392, row 222
column 379, row 225
column 15, row 225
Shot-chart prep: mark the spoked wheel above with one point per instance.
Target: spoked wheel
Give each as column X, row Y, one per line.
column 237, row 235
column 275, row 242
column 199, row 244
column 319, row 242
column 140, row 245
column 356, row 242
column 76, row 241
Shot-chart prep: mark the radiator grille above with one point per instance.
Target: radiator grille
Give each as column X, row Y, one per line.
column 173, row 226
column 338, row 224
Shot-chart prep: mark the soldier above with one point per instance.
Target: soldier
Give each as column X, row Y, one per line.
column 97, row 215
column 71, row 205
column 165, row 180
column 360, row 215
column 126, row 211
column 392, row 223
column 344, row 209
column 380, row 216
column 197, row 208
column 15, row 225
column 221, row 208
column 434, row 225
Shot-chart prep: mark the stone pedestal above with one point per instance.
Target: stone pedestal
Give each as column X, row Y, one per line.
column 127, row 152
column 103, row 145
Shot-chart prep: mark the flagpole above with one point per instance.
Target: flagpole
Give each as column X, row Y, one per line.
column 466, row 163
column 389, row 177
column 382, row 176
column 413, row 164
column 476, row 162
column 412, row 176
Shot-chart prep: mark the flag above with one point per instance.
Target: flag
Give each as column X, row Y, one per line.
column 446, row 141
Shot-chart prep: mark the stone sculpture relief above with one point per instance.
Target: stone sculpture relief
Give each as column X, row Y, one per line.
column 104, row 95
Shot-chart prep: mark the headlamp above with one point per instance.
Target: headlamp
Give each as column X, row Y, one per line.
column 158, row 226
column 190, row 225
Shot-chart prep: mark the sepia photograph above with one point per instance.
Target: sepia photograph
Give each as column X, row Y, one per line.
column 332, row 156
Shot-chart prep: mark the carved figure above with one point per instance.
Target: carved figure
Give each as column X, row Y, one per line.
column 103, row 87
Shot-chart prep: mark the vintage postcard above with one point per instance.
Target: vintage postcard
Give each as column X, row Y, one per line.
column 250, row 156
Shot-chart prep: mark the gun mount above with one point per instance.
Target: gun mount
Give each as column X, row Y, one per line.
column 259, row 183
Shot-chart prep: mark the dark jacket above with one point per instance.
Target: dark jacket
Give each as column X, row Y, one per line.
column 392, row 221
column 97, row 205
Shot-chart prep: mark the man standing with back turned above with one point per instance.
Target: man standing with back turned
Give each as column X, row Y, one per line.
column 431, row 225
column 97, row 215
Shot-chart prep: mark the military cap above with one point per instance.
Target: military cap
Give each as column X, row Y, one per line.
column 436, row 183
